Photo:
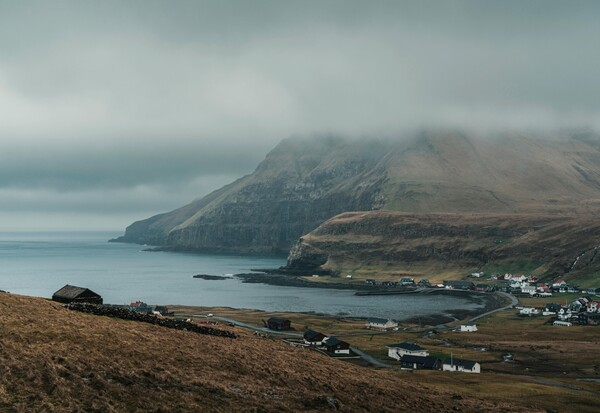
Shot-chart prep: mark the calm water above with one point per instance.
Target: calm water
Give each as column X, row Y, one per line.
column 40, row 263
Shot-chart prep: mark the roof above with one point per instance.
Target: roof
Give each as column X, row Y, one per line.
column 425, row 361
column 313, row 335
column 71, row 291
column 467, row 364
column 407, row 346
column 333, row 341
column 278, row 320
column 375, row 320
column 469, row 324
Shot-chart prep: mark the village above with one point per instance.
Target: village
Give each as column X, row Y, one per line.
column 531, row 299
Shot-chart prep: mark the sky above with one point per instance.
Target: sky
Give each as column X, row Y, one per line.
column 112, row 111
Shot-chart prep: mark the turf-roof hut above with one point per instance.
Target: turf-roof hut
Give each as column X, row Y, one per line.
column 71, row 294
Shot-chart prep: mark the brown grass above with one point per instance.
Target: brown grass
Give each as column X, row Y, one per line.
column 55, row 360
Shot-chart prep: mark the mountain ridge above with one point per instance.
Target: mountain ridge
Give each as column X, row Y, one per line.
column 303, row 182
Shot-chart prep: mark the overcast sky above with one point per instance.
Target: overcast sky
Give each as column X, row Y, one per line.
column 111, row 111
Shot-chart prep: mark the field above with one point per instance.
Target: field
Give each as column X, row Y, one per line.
column 56, row 360
column 548, row 362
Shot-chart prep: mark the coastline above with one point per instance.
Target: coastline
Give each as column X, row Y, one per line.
column 489, row 301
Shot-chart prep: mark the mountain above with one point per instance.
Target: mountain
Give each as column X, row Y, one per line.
column 429, row 245
column 57, row 360
column 303, row 182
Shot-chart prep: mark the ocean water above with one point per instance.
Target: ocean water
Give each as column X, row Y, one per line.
column 38, row 264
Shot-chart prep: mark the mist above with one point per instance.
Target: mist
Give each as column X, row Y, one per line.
column 112, row 111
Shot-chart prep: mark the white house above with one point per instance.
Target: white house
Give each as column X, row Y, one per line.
column 468, row 327
column 562, row 323
column 529, row 311
column 380, row 324
column 465, row 366
column 559, row 283
column 528, row 289
column 396, row 351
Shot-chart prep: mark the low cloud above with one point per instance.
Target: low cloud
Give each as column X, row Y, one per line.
column 99, row 100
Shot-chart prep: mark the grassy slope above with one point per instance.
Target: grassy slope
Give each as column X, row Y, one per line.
column 55, row 360
column 546, row 357
column 380, row 244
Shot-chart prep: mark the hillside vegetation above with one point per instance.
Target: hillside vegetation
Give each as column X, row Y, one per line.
column 56, row 360
column 430, row 244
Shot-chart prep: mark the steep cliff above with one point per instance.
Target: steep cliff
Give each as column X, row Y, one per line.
column 304, row 182
column 394, row 242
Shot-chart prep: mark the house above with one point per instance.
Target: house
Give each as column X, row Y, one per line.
column 476, row 275
column 529, row 311
column 72, row 294
column 468, row 327
column 162, row 310
column 420, row 363
column 382, row 324
column 397, row 351
column 140, row 307
column 559, row 283
column 424, row 282
column 588, row 319
column 466, row 366
column 562, row 323
column 334, row 345
column 528, row 289
column 313, row 338
column 458, row 285
column 551, row 308
column 276, row 323
column 593, row 306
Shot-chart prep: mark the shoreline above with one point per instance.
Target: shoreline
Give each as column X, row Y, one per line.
column 489, row 301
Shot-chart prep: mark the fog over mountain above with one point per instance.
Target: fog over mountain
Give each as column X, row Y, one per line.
column 112, row 111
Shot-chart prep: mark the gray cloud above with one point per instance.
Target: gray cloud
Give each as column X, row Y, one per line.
column 99, row 99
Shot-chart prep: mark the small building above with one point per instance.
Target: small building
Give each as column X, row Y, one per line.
column 314, row 338
column 528, row 289
column 468, row 327
column 420, row 363
column 406, row 282
column 529, row 311
column 382, row 324
column 140, row 307
column 397, row 351
column 458, row 285
column 465, row 366
column 334, row 345
column 72, row 294
column 277, row 323
column 560, row 323
column 162, row 310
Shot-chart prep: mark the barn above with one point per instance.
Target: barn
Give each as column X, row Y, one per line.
column 72, row 294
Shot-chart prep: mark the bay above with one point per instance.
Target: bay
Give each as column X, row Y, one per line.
column 39, row 263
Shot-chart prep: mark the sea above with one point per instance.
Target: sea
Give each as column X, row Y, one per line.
column 39, row 263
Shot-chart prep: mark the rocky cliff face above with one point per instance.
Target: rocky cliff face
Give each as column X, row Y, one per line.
column 304, row 182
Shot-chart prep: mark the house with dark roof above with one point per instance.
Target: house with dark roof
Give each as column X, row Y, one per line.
column 420, row 363
column 465, row 366
column 72, row 294
column 334, row 345
column 396, row 351
column 313, row 338
column 277, row 323
column 382, row 324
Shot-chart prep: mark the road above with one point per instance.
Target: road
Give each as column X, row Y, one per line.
column 369, row 359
